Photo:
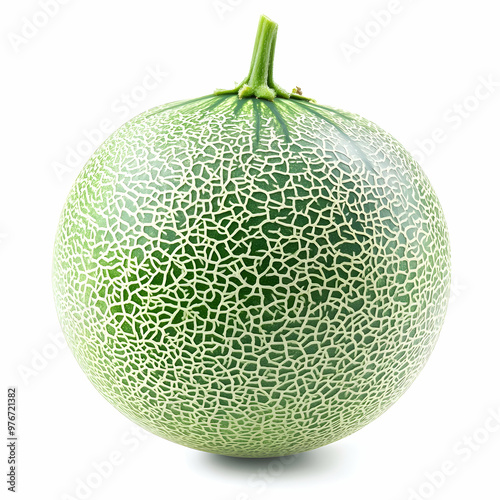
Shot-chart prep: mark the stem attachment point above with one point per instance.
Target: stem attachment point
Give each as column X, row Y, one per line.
column 260, row 81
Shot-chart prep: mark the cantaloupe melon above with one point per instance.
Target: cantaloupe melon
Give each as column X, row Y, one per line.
column 251, row 276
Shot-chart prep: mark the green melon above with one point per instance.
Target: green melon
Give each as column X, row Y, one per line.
column 250, row 273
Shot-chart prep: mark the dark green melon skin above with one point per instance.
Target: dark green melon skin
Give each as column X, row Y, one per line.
column 251, row 278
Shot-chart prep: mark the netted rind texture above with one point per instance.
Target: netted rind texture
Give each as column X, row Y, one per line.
column 251, row 278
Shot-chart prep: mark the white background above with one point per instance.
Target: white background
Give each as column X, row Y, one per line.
column 419, row 73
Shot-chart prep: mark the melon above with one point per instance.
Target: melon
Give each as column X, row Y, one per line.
column 250, row 273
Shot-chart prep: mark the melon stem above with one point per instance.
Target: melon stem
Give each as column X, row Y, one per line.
column 260, row 81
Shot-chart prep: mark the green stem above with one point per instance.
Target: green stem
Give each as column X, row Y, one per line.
column 260, row 82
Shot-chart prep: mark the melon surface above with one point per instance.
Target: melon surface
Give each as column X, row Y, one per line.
column 250, row 277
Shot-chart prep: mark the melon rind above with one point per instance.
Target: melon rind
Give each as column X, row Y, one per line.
column 251, row 278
